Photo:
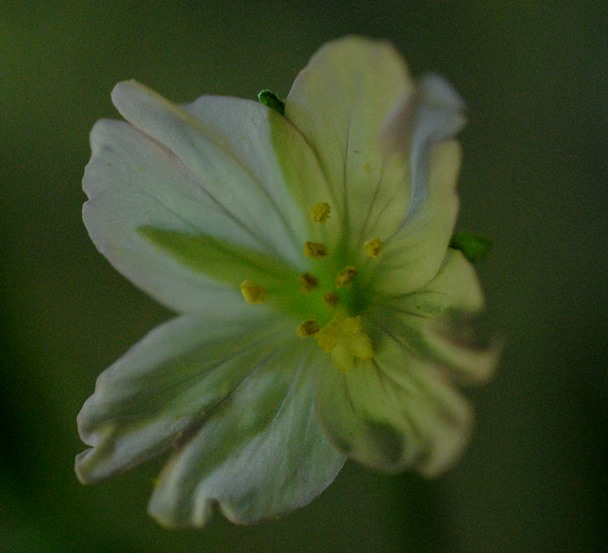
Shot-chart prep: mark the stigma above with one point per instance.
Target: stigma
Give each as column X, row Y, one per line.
column 345, row 276
column 344, row 338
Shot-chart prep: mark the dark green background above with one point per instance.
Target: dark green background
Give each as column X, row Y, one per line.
column 534, row 77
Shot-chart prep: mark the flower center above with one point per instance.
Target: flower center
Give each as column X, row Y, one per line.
column 328, row 297
column 344, row 338
column 334, row 323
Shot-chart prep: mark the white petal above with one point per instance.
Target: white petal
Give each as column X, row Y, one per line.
column 166, row 385
column 132, row 181
column 227, row 145
column 211, row 168
column 340, row 102
column 283, row 178
column 261, row 454
column 395, row 412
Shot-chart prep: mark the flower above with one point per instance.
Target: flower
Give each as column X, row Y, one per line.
column 305, row 246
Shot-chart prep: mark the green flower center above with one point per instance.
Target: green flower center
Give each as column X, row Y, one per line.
column 330, row 299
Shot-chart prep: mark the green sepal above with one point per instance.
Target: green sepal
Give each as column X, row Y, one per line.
column 474, row 247
column 271, row 100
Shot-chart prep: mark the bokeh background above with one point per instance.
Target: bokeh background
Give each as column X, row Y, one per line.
column 534, row 76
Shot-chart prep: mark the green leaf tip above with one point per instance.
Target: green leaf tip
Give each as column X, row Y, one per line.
column 474, row 247
column 272, row 101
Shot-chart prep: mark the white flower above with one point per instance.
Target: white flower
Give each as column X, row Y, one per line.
column 307, row 255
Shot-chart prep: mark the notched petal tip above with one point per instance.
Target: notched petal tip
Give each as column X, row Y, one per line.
column 432, row 112
column 467, row 343
column 440, row 93
column 80, row 468
column 85, row 465
column 96, row 464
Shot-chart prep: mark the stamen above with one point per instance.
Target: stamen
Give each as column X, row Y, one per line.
column 373, row 247
column 319, row 213
column 253, row 292
column 315, row 250
column 307, row 328
column 345, row 276
column 308, row 282
column 331, row 299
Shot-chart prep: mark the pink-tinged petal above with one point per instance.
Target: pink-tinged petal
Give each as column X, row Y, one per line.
column 167, row 384
column 261, row 454
column 431, row 114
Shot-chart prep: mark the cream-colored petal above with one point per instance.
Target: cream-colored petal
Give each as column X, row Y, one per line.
column 412, row 257
column 432, row 114
column 395, row 412
column 340, row 103
column 261, row 454
column 166, row 385
column 439, row 322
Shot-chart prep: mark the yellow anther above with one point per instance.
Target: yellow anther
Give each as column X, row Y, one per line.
column 346, row 340
column 307, row 328
column 345, row 276
column 319, row 213
column 308, row 282
column 253, row 292
column 315, row 250
column 373, row 247
column 331, row 299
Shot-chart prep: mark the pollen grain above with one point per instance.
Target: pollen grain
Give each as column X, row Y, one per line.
column 320, row 212
column 308, row 282
column 315, row 249
column 373, row 247
column 331, row 299
column 307, row 328
column 253, row 292
column 345, row 339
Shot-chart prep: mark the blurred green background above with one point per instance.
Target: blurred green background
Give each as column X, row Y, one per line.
column 534, row 76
